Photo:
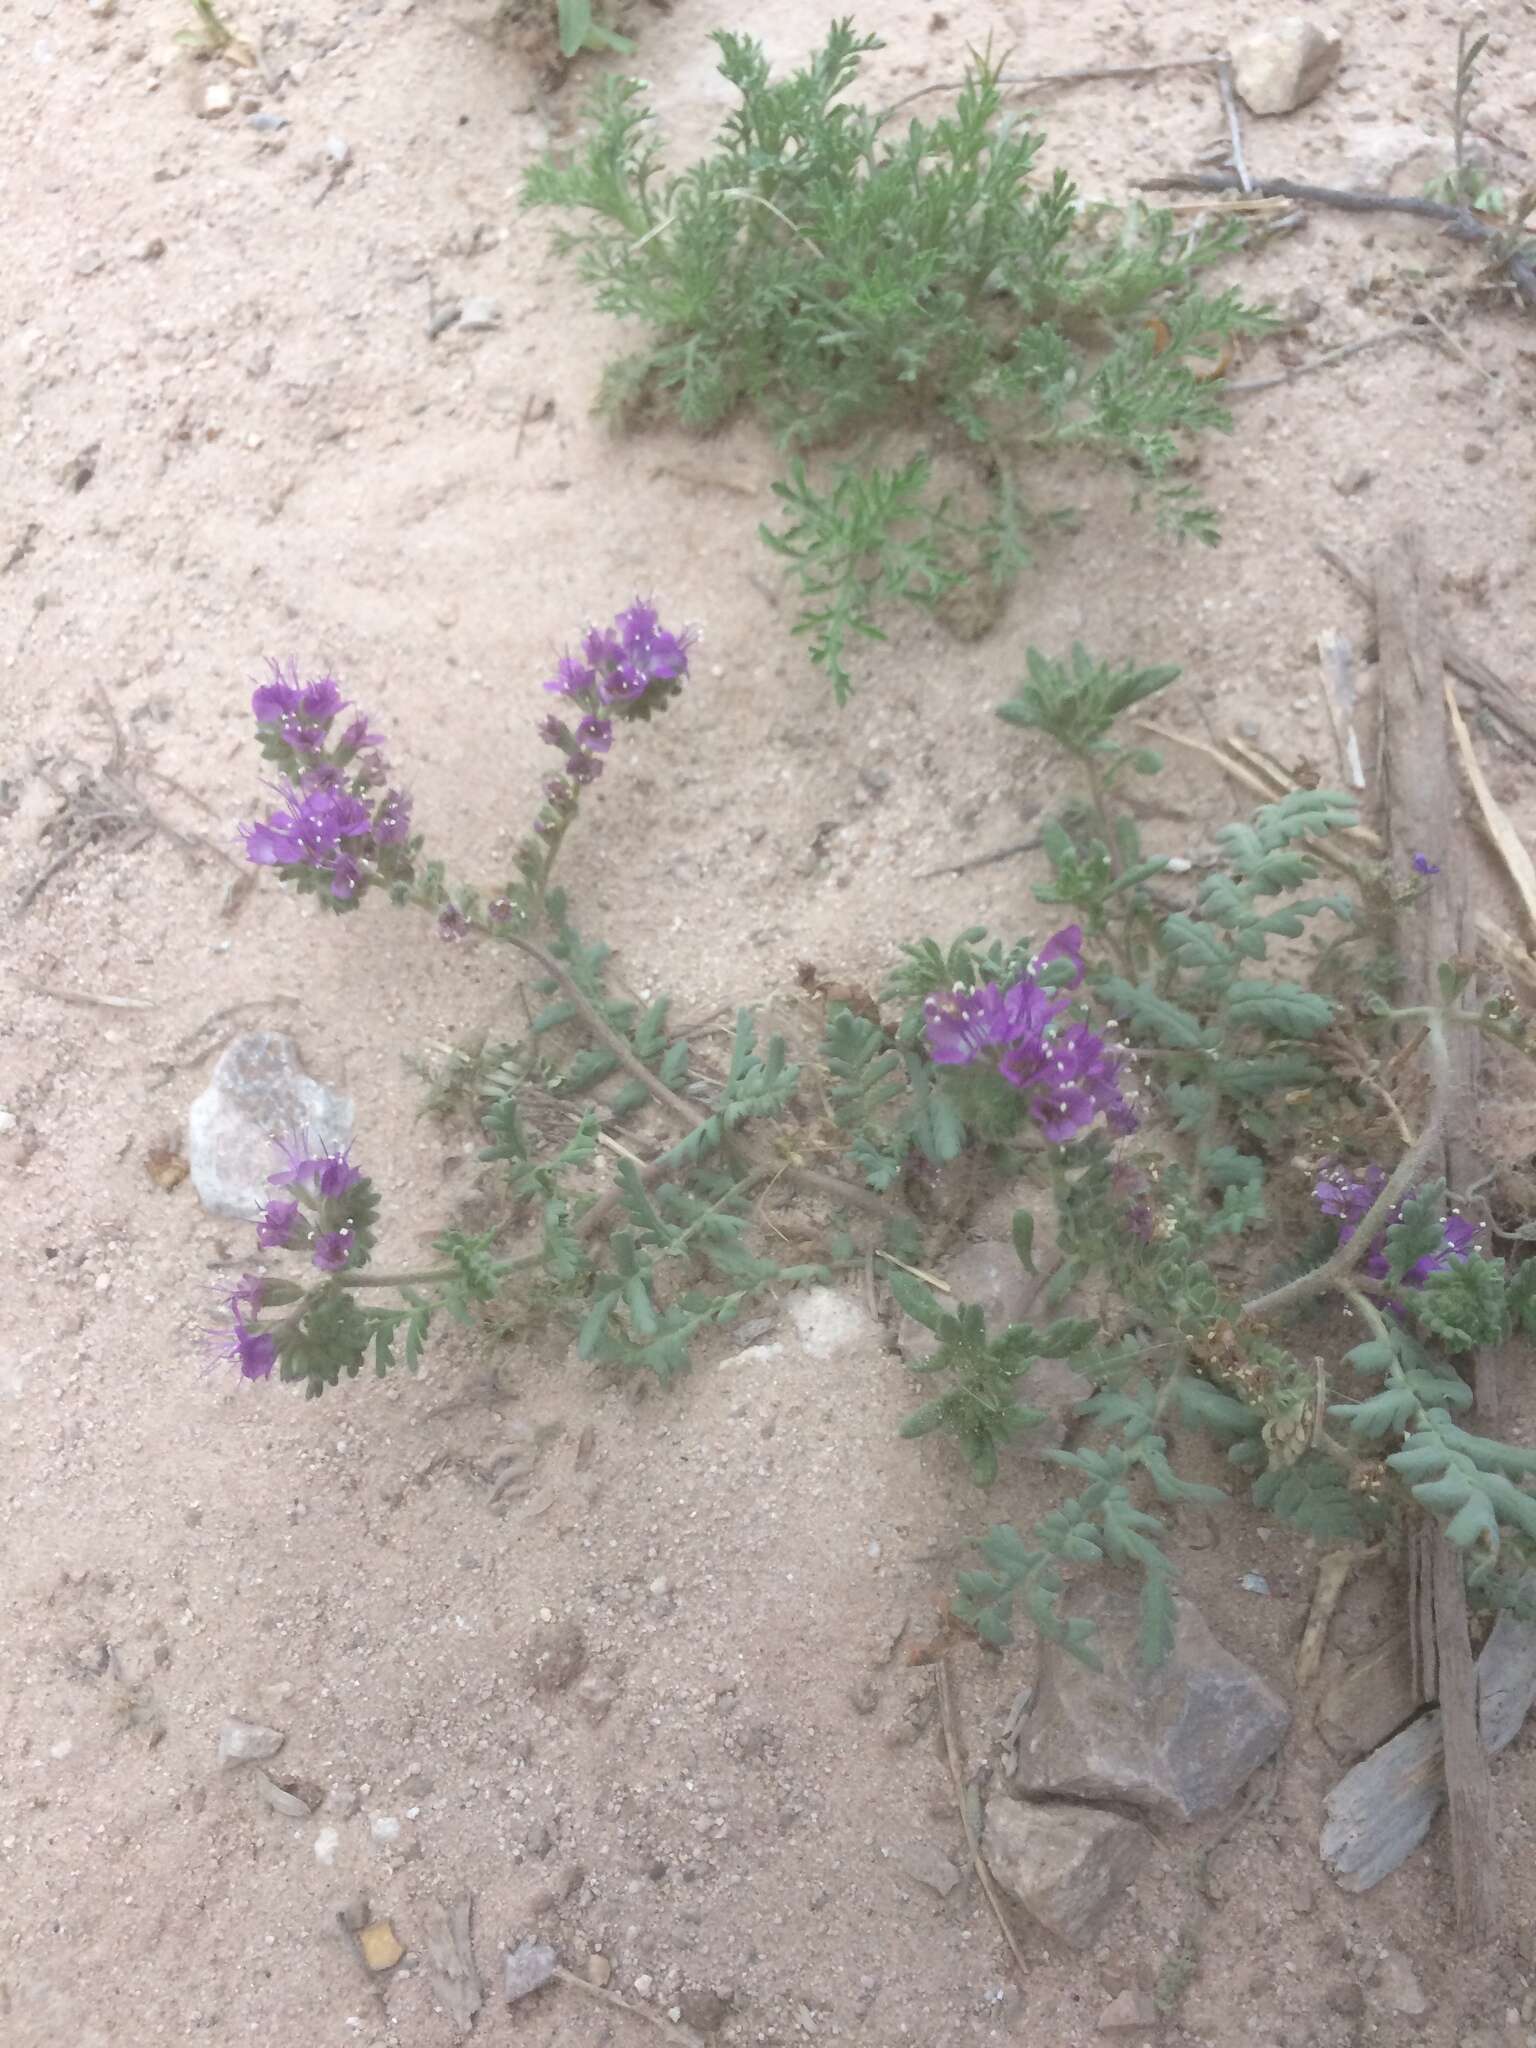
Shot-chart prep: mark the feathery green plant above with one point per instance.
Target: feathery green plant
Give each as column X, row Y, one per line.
column 852, row 283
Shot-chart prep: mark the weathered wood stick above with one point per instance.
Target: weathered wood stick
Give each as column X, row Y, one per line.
column 1417, row 779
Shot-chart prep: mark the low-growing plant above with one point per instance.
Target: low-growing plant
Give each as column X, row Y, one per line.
column 1195, row 1088
column 895, row 293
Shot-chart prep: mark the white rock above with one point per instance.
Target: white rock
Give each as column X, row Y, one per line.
column 218, row 99
column 827, row 1322
column 1287, row 62
column 1399, row 1988
column 258, row 1093
column 479, row 315
column 326, row 1844
column 247, row 1742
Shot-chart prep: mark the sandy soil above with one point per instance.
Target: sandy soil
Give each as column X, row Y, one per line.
column 227, row 433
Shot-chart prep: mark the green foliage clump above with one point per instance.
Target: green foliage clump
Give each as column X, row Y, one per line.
column 847, row 278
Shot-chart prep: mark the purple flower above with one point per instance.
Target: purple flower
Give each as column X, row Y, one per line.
column 595, row 735
column 558, row 792
column 308, row 828
column 583, row 768
column 571, row 678
column 278, row 697
column 302, row 712
column 392, row 819
column 327, row 1175
column 638, row 653
column 452, row 923
column 1423, row 865
column 553, row 733
column 333, row 1250
column 1071, row 1079
column 1067, row 1072
column 969, row 1022
column 1066, row 944
column 357, row 736
column 1348, row 1198
column 346, row 875
column 600, row 647
column 277, row 1224
column 253, row 1350
column 499, row 910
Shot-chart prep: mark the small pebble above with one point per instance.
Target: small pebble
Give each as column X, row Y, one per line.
column 527, row 1966
column 266, row 122
column 381, row 1946
column 338, row 152
column 326, row 1844
column 644, row 1985
column 148, row 251
column 88, row 262
column 218, row 99
column 1473, row 452
column 599, row 1970
column 247, row 1742
column 478, row 315
column 384, row 1827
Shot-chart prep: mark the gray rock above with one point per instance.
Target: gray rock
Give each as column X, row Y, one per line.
column 1506, row 1682
column 704, row 2010
column 279, row 1798
column 478, row 315
column 1287, row 62
column 247, row 1742
column 927, row 1866
column 258, row 1093
column 1131, row 2013
column 1379, row 1812
column 990, row 1276
column 1066, row 1865
column 555, row 1656
column 1177, row 1742
column 526, row 1967
column 266, row 122
column 1370, row 1700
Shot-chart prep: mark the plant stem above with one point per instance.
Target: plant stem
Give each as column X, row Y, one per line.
column 1335, row 1269
column 599, row 1026
column 419, row 1276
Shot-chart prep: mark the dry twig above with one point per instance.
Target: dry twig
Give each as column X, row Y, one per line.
column 956, row 1757
column 1234, row 123
column 1507, row 843
column 1458, row 221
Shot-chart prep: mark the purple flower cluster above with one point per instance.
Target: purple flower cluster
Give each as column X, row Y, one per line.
column 1348, row 1197
column 623, row 671
column 1066, row 1072
column 328, row 822
column 324, row 1204
column 253, row 1350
